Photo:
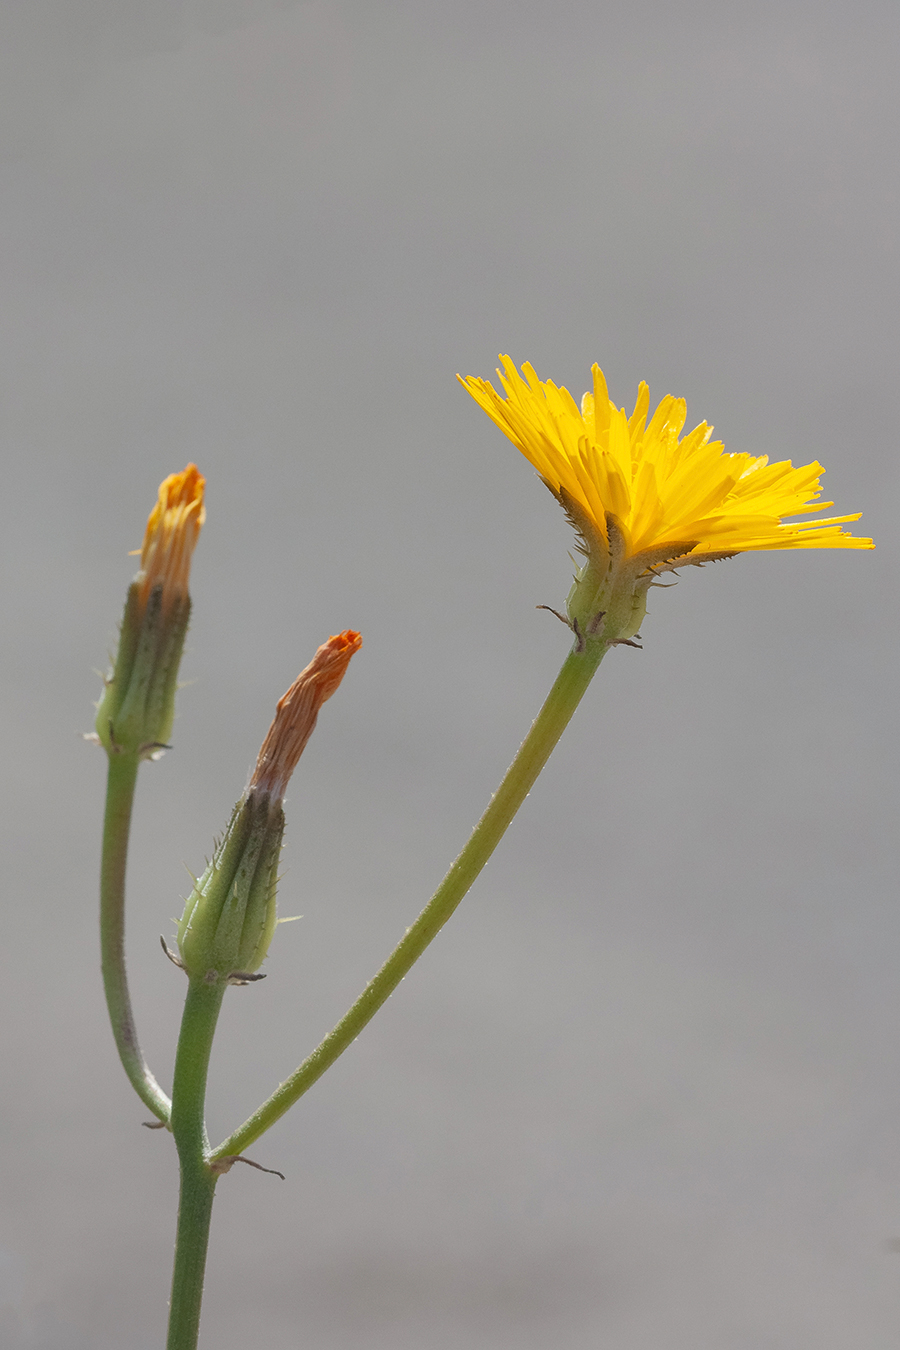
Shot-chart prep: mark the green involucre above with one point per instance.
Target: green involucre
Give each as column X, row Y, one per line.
column 230, row 915
column 137, row 709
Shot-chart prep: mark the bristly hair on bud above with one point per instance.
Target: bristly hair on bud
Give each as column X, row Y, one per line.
column 295, row 716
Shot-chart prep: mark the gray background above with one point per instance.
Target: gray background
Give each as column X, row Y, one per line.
column 644, row 1092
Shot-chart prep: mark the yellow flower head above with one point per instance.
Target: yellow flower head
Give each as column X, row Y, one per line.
column 644, row 501
column 662, row 491
column 173, row 528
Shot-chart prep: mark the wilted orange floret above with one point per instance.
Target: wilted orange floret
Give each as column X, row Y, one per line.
column 295, row 716
column 172, row 531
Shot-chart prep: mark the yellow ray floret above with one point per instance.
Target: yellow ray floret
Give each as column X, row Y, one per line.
column 660, row 489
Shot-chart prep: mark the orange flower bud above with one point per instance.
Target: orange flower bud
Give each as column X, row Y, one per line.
column 229, row 917
column 295, row 716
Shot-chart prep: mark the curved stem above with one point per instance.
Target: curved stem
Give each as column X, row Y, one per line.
column 198, row 1179
column 571, row 683
column 116, row 825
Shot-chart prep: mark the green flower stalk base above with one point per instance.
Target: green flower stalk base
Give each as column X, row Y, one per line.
column 198, row 1179
column 201, row 1166
column 120, row 785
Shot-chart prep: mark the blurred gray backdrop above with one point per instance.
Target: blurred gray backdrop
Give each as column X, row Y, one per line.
column 644, row 1092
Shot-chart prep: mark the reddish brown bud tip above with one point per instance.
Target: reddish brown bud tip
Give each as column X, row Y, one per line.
column 295, row 716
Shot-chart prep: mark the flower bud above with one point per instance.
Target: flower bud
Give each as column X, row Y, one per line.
column 137, row 708
column 229, row 917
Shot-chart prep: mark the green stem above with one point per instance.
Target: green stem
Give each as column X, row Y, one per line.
column 123, row 770
column 571, row 683
column 198, row 1179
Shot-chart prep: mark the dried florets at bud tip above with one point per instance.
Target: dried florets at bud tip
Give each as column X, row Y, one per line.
column 295, row 716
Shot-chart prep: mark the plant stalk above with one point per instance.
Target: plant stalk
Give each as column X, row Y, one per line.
column 198, row 1179
column 120, row 787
